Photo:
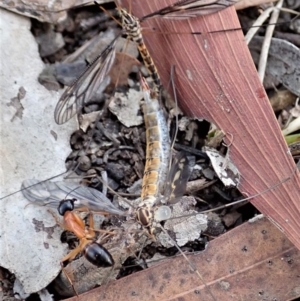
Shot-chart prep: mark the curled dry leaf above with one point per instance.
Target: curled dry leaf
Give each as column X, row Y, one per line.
column 224, row 168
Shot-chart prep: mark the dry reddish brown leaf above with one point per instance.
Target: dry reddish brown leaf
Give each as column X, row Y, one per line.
column 252, row 262
column 216, row 80
column 120, row 75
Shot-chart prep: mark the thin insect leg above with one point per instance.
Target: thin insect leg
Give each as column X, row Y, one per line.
column 58, row 222
column 20, row 190
column 108, row 13
column 68, row 278
column 102, row 231
column 140, row 253
column 172, row 74
column 74, row 253
column 92, row 225
column 70, row 257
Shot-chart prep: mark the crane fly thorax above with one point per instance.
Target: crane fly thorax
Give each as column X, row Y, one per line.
column 131, row 25
column 144, row 216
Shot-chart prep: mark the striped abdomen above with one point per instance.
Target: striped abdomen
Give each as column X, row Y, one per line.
column 157, row 159
column 157, row 150
column 132, row 27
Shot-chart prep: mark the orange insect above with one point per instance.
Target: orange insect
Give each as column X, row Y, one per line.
column 92, row 251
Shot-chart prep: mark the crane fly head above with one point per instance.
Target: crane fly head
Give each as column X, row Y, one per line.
column 129, row 22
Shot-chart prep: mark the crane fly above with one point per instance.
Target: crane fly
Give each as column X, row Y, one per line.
column 82, row 89
column 76, row 96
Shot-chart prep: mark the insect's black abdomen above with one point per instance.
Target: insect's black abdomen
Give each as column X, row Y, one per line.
column 98, row 255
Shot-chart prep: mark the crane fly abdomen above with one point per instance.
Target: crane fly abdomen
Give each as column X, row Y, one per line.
column 148, row 61
column 160, row 185
column 157, row 150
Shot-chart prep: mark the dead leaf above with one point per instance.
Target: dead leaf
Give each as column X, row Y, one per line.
column 248, row 3
column 251, row 262
column 223, row 167
column 121, row 68
column 127, row 107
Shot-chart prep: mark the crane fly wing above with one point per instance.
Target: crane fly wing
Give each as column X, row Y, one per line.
column 51, row 193
column 185, row 9
column 181, row 169
column 80, row 92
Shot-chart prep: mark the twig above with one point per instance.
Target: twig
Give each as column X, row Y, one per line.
column 256, row 25
column 267, row 42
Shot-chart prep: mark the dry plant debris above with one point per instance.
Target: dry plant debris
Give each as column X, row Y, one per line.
column 250, row 262
column 216, row 80
column 125, row 166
